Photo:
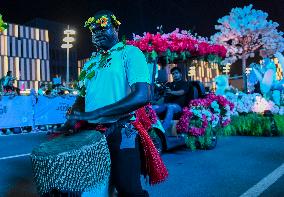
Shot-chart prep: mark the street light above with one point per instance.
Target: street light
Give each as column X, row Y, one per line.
column 191, row 71
column 226, row 69
column 68, row 45
column 248, row 70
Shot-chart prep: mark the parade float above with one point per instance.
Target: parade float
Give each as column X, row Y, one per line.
column 232, row 112
column 196, row 124
column 198, row 58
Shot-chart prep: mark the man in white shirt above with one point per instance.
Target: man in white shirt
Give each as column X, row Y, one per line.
column 115, row 83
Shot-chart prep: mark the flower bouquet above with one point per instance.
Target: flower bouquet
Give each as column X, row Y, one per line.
column 200, row 119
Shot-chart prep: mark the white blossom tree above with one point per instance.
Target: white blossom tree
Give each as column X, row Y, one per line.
column 245, row 31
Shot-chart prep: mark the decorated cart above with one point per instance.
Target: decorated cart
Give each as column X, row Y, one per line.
column 195, row 124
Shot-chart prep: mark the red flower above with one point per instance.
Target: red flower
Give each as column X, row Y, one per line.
column 178, row 43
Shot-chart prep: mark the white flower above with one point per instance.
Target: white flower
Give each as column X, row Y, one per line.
column 281, row 110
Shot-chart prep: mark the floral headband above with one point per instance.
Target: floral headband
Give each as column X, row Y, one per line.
column 102, row 22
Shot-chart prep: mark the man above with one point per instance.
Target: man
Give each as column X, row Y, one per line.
column 42, row 89
column 117, row 82
column 8, row 83
column 175, row 98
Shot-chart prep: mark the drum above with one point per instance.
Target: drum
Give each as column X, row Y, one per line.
column 78, row 163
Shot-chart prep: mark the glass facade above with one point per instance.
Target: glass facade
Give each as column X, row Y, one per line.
column 80, row 65
column 25, row 51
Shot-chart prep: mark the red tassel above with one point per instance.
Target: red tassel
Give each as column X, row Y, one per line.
column 155, row 167
column 80, row 124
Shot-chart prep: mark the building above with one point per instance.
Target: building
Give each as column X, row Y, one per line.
column 25, row 51
column 57, row 54
column 80, row 64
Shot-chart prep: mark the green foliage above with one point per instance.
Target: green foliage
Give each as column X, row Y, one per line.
column 49, row 87
column 123, row 38
column 214, row 58
column 228, row 130
column 279, row 121
column 154, row 55
column 90, row 75
column 82, row 75
column 3, row 25
column 254, row 124
column 1, row 82
column 190, row 142
column 202, row 142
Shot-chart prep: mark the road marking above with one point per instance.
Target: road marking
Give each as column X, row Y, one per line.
column 14, row 156
column 23, row 133
column 266, row 182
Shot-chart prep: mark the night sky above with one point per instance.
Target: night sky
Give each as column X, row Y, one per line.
column 136, row 16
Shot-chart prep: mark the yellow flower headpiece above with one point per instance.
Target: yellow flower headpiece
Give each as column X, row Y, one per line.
column 101, row 22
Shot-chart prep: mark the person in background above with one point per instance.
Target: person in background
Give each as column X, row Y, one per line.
column 8, row 83
column 41, row 90
column 175, row 98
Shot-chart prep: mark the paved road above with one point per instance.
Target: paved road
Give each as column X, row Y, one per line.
column 236, row 165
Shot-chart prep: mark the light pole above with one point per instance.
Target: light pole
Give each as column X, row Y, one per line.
column 191, row 72
column 248, row 70
column 68, row 45
column 226, row 69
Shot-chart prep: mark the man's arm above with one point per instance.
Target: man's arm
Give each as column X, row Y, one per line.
column 177, row 92
column 139, row 96
column 180, row 92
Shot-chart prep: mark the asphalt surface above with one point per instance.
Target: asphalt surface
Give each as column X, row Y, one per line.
column 232, row 168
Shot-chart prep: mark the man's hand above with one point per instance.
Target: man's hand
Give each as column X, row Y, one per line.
column 75, row 115
column 176, row 92
column 68, row 127
column 168, row 91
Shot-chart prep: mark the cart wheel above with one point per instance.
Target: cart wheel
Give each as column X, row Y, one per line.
column 157, row 140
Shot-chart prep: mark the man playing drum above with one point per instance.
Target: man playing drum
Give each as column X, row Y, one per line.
column 115, row 83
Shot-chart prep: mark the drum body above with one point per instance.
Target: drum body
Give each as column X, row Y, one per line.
column 78, row 163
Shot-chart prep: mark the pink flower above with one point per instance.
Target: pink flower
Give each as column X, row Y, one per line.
column 197, row 131
column 182, row 125
column 177, row 42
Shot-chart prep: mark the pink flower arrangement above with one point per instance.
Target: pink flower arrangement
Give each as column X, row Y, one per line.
column 183, row 123
column 182, row 43
column 210, row 110
column 220, row 99
column 195, row 131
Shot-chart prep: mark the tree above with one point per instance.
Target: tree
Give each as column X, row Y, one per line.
column 245, row 31
column 3, row 25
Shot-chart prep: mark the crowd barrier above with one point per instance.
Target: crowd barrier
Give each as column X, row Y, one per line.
column 21, row 111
